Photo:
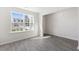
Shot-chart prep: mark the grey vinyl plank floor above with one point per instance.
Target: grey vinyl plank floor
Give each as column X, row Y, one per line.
column 52, row 43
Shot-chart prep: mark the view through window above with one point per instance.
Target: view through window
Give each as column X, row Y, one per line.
column 21, row 22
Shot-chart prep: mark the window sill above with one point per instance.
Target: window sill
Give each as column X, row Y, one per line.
column 19, row 31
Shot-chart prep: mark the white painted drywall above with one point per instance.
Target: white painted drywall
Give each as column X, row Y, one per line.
column 78, row 28
column 40, row 25
column 45, row 10
column 63, row 23
column 78, row 25
column 5, row 35
column 44, row 24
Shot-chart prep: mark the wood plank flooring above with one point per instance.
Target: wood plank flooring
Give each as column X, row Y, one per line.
column 52, row 43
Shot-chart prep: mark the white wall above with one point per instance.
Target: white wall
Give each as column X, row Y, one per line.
column 5, row 35
column 78, row 26
column 40, row 25
column 44, row 24
column 63, row 23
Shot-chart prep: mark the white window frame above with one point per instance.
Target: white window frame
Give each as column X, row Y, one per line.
column 19, row 26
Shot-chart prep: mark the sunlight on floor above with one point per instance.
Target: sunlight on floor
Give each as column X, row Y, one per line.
column 42, row 37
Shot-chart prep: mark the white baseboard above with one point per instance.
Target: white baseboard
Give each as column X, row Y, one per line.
column 11, row 41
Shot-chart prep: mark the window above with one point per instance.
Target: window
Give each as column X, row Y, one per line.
column 21, row 22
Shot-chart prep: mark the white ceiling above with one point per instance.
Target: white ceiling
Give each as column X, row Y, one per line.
column 45, row 10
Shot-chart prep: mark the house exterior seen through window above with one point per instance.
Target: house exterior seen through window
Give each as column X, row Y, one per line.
column 21, row 22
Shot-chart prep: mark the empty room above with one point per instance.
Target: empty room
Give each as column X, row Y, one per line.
column 39, row 29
